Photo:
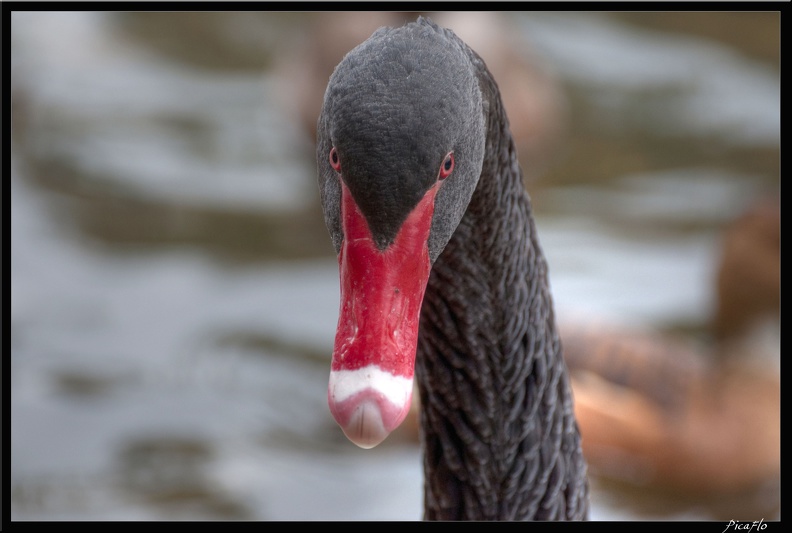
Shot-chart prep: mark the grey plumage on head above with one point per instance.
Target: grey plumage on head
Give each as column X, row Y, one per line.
column 394, row 107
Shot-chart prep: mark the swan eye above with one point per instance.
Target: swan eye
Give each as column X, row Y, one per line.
column 447, row 166
column 335, row 162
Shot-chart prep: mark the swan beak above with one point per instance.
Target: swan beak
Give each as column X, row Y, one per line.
column 371, row 375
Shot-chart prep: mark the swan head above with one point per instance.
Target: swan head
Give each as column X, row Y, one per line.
column 400, row 148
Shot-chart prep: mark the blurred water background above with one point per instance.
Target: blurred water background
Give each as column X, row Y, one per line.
column 174, row 292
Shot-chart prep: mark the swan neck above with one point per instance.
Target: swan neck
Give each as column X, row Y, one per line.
column 496, row 402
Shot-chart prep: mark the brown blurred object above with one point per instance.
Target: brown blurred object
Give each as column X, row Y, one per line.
column 534, row 102
column 663, row 411
column 748, row 286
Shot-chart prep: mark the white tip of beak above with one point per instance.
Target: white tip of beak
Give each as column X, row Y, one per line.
column 368, row 403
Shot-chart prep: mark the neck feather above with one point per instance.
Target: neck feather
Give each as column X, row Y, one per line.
column 498, row 426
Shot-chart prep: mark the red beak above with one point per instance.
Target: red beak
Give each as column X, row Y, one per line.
column 371, row 376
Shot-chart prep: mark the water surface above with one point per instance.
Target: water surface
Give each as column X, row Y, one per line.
column 174, row 292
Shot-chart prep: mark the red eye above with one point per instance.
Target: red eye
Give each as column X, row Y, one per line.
column 335, row 162
column 447, row 166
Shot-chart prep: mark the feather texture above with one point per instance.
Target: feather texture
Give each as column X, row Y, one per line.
column 498, row 426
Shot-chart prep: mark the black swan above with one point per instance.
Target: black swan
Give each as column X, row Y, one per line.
column 425, row 204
